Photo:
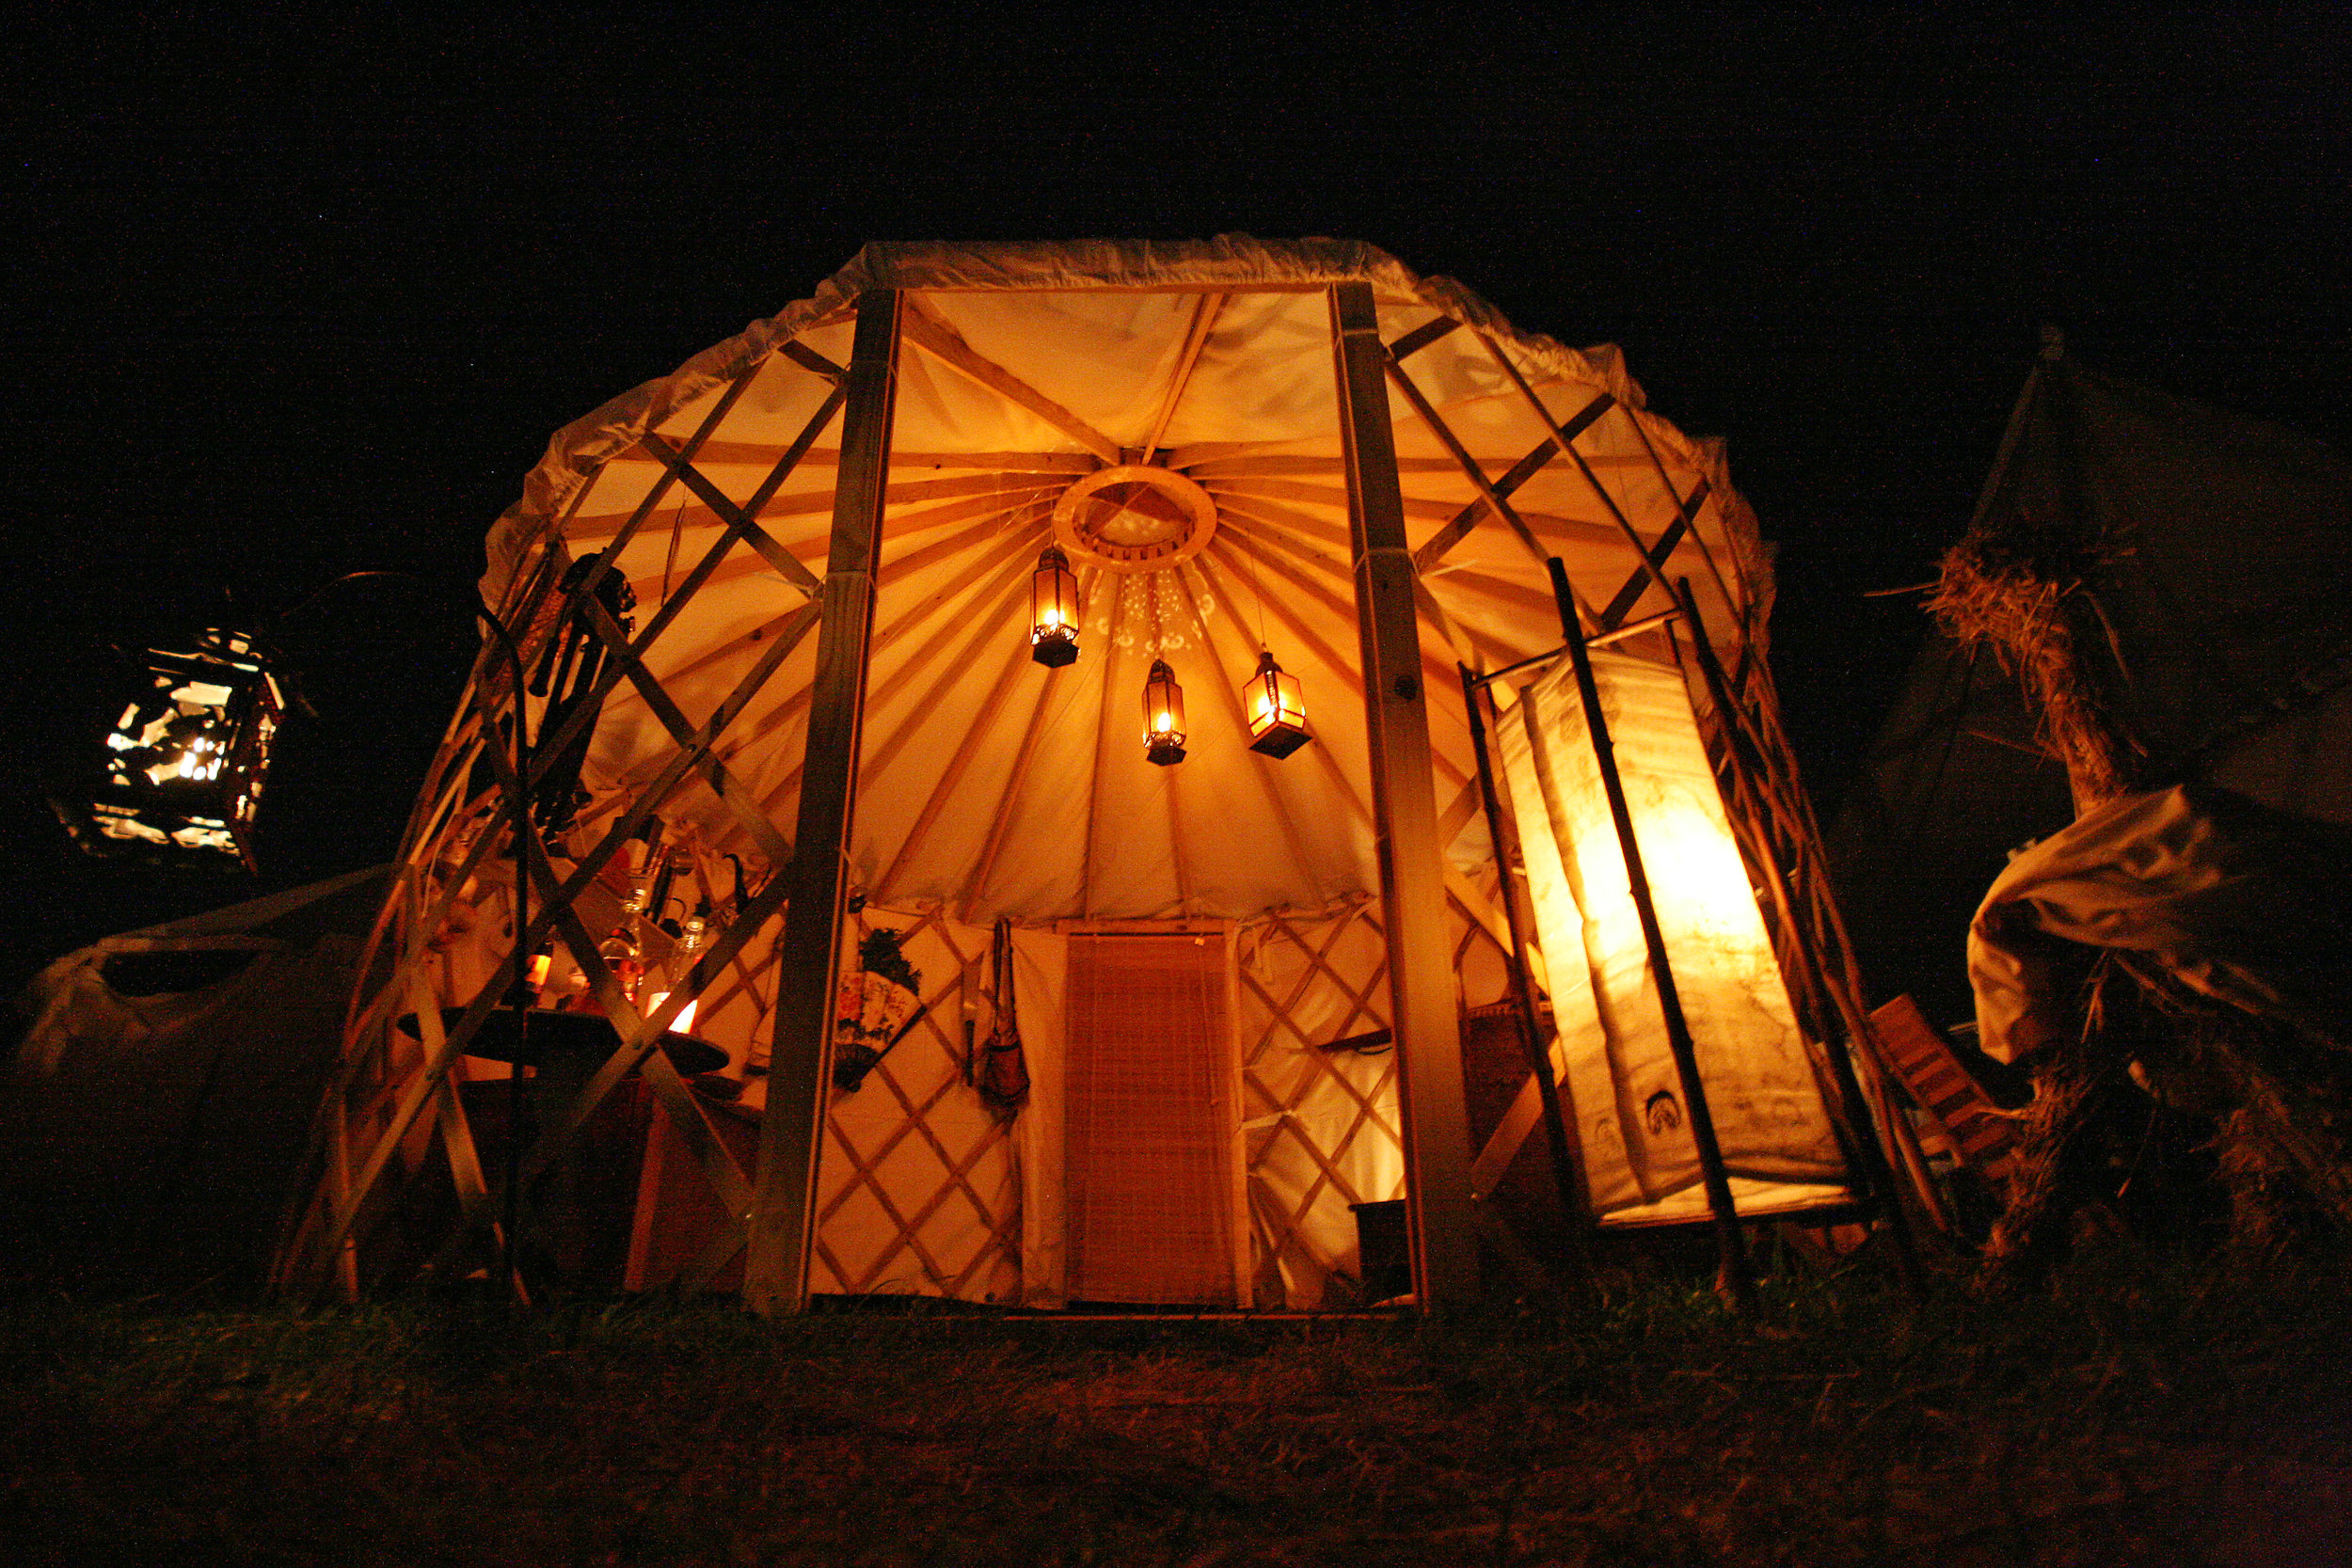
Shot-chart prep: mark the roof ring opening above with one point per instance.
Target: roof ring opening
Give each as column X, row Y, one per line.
column 1135, row 517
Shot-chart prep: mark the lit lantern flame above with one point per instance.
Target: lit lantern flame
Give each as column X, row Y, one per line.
column 185, row 764
column 1277, row 714
column 1053, row 611
column 1163, row 716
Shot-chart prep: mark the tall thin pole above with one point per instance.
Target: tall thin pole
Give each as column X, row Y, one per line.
column 1732, row 1280
column 1566, row 1170
column 783, row 1219
column 1426, row 1017
column 518, row 988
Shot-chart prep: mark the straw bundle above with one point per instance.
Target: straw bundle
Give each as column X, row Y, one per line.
column 2025, row 590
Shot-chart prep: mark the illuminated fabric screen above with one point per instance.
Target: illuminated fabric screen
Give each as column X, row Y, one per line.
column 1641, row 1160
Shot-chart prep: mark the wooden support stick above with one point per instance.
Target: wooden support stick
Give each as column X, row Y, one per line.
column 1621, row 605
column 1422, row 336
column 1732, row 1280
column 1567, row 1167
column 1689, row 517
column 1412, row 890
column 775, row 1268
column 1487, row 488
column 1527, row 393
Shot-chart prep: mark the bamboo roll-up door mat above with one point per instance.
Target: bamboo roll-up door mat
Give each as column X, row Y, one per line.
column 1150, row 1150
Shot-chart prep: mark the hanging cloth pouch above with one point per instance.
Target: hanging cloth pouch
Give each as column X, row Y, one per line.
column 1003, row 1071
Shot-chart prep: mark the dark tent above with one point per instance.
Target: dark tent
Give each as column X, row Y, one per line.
column 1957, row 778
column 157, row 1103
column 2171, row 579
column 2152, row 591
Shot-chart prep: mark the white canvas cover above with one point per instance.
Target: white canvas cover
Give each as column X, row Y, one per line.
column 995, row 788
column 2230, row 897
column 1641, row 1160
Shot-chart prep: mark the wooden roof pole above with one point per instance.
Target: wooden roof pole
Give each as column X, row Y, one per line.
column 1413, row 890
column 1278, row 606
column 932, row 332
column 791, row 1134
column 1204, row 316
column 1007, row 803
column 1266, row 766
column 773, row 785
column 983, row 630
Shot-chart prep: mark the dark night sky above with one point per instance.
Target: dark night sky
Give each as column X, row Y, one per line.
column 288, row 306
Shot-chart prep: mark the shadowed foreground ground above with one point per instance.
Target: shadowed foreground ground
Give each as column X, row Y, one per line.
column 2142, row 1414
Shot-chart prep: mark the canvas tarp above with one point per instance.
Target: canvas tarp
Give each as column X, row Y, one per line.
column 2210, row 553
column 2239, row 902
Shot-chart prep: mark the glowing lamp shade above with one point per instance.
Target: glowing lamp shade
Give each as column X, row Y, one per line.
column 1054, row 611
column 1277, row 714
column 180, row 775
column 1640, row 1160
column 1163, row 716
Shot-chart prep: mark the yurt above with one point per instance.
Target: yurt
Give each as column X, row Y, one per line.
column 1159, row 775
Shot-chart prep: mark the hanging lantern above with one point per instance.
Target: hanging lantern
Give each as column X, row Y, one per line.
column 185, row 763
column 1163, row 716
column 1277, row 714
column 1054, row 611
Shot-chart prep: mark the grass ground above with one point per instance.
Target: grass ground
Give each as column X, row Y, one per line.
column 2141, row 1412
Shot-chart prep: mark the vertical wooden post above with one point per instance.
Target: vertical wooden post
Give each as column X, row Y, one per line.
column 791, row 1136
column 1733, row 1281
column 1405, row 820
column 1568, row 1166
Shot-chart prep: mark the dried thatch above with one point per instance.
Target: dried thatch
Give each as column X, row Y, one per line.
column 2023, row 589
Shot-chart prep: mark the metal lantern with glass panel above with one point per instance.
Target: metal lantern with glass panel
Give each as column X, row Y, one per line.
column 1163, row 716
column 1054, row 611
column 1278, row 713
column 187, row 760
